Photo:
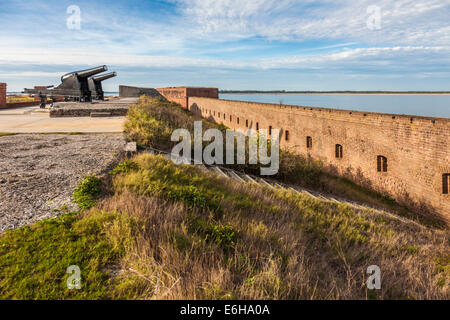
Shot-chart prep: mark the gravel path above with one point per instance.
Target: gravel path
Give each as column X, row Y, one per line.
column 39, row 172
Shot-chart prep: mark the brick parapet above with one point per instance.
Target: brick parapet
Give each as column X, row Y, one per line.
column 181, row 95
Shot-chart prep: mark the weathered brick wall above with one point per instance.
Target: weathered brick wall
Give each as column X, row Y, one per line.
column 2, row 95
column 181, row 95
column 178, row 95
column 203, row 92
column 417, row 148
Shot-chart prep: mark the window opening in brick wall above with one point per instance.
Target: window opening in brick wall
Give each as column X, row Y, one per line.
column 445, row 183
column 309, row 142
column 381, row 164
column 339, row 151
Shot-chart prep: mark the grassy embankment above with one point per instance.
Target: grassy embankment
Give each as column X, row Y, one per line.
column 152, row 122
column 151, row 229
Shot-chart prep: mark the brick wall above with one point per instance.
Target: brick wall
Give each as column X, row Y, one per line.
column 178, row 95
column 2, row 95
column 181, row 95
column 203, row 92
column 417, row 148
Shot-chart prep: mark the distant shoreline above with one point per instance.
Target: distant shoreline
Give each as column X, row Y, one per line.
column 337, row 93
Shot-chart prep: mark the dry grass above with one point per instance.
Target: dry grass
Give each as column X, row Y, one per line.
column 285, row 245
column 18, row 99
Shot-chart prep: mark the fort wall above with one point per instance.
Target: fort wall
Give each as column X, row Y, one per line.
column 405, row 157
column 181, row 95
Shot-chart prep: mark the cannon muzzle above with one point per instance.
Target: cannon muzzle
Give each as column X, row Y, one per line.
column 85, row 73
column 103, row 77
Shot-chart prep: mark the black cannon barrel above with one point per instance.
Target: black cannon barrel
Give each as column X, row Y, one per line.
column 86, row 73
column 90, row 72
column 103, row 77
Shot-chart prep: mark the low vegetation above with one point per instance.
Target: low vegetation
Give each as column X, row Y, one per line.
column 152, row 121
column 34, row 259
column 179, row 232
column 153, row 230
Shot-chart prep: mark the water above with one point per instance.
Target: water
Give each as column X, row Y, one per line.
column 412, row 104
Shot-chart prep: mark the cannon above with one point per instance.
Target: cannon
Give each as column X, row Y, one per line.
column 83, row 85
column 95, row 85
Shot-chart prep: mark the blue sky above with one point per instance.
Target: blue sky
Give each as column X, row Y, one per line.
column 232, row 44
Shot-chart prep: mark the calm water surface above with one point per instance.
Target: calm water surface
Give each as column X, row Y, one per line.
column 411, row 104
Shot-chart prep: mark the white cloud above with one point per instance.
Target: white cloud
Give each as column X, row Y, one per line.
column 396, row 57
column 402, row 22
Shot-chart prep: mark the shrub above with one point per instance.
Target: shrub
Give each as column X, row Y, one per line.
column 144, row 128
column 87, row 192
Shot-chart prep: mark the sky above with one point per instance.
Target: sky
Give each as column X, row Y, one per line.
column 230, row 44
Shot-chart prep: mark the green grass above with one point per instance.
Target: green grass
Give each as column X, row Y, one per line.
column 162, row 179
column 34, row 259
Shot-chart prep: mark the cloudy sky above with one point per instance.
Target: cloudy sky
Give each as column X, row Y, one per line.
column 231, row 44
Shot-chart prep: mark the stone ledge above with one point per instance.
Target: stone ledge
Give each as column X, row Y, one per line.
column 115, row 108
column 83, row 112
